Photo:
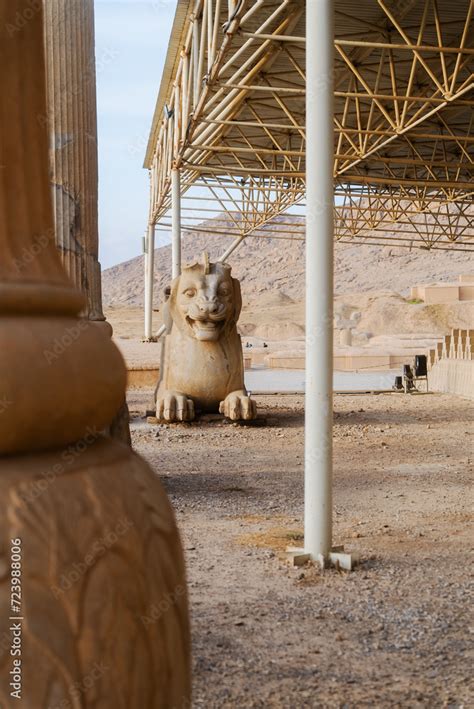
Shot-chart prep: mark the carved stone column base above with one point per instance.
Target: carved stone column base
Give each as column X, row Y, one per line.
column 61, row 378
column 103, row 608
column 104, row 325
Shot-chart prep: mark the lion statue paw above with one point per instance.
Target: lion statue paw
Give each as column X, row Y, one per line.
column 238, row 406
column 173, row 406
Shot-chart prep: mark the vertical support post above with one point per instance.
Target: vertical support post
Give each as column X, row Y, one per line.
column 149, row 276
column 145, row 281
column 319, row 278
column 175, row 223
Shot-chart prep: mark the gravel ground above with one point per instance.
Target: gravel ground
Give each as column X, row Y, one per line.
column 398, row 631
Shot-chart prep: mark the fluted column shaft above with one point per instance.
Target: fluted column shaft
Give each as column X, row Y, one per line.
column 29, row 262
column 72, row 118
column 59, row 376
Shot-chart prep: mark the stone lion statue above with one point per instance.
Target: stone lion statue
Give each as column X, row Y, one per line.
column 201, row 364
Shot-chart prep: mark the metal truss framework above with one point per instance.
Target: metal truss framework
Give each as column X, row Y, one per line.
column 231, row 117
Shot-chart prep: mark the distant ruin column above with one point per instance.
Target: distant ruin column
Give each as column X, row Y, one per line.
column 72, row 118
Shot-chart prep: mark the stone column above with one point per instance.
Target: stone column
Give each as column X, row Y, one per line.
column 72, row 118
column 101, row 619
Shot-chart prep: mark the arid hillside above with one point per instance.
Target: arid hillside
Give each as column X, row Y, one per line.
column 276, row 267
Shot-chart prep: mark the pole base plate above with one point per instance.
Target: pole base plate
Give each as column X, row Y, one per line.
column 337, row 558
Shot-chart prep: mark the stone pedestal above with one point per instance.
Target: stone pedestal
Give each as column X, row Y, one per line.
column 99, row 617
column 72, row 120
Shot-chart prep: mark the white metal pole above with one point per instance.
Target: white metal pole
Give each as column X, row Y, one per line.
column 150, row 266
column 319, row 278
column 145, row 281
column 175, row 224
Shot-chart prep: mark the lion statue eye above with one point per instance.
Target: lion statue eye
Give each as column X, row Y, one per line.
column 190, row 292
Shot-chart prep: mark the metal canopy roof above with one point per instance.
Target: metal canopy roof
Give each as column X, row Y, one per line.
column 231, row 115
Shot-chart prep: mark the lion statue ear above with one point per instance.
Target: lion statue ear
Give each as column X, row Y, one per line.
column 237, row 298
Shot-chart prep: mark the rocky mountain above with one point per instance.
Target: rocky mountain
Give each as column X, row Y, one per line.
column 276, row 267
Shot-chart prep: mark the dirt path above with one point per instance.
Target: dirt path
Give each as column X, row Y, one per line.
column 395, row 633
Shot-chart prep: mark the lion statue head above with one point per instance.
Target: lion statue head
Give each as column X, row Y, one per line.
column 204, row 301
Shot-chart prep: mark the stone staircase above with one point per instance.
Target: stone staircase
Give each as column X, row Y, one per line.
column 458, row 345
column 451, row 364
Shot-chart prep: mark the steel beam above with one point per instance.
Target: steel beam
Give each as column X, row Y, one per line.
column 234, row 245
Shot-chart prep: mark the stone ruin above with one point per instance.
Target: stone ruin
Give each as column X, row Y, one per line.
column 346, row 321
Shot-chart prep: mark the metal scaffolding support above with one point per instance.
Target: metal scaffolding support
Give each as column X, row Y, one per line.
column 149, row 281
column 319, row 278
column 230, row 115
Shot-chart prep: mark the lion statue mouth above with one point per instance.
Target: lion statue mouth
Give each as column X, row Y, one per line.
column 205, row 329
column 204, row 301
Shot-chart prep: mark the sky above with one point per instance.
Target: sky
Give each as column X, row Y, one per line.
column 131, row 43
